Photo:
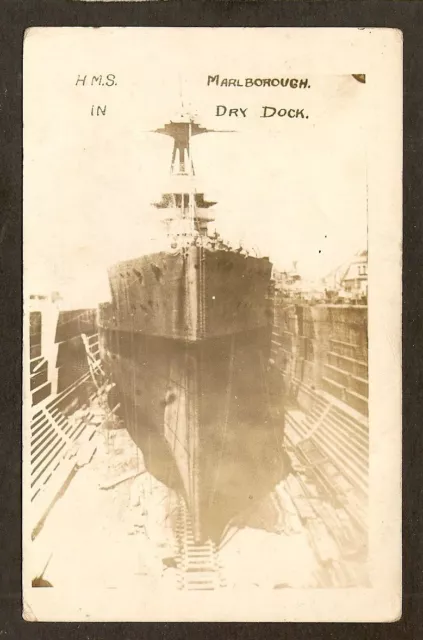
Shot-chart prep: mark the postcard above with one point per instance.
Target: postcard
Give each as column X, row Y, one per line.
column 212, row 324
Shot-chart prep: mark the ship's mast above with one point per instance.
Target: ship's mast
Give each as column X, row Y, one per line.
column 186, row 208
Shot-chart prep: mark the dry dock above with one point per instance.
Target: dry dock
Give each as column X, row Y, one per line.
column 97, row 517
column 115, row 524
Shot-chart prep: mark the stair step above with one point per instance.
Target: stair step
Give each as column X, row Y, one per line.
column 343, row 461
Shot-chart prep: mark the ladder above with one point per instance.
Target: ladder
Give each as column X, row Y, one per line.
column 99, row 377
column 198, row 563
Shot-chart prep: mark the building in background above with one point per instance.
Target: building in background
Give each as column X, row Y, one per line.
column 354, row 280
column 345, row 284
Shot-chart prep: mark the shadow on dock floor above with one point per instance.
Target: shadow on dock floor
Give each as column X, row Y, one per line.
column 111, row 528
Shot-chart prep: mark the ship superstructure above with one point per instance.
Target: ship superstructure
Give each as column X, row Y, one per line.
column 186, row 338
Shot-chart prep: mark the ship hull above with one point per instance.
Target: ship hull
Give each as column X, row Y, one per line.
column 193, row 384
column 189, row 295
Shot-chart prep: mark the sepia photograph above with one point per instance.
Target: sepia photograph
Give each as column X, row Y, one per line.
column 212, row 324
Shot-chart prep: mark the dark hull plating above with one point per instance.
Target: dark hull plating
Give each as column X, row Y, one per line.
column 195, row 398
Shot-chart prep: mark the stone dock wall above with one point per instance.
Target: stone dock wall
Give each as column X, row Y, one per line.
column 325, row 347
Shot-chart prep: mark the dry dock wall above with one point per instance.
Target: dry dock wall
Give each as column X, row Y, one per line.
column 324, row 347
column 58, row 358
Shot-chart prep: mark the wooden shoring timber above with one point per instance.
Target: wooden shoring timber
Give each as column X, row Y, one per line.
column 334, row 535
column 53, row 439
column 40, row 508
column 337, row 436
column 57, row 399
column 53, row 442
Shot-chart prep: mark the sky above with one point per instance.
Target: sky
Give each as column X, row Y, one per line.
column 291, row 189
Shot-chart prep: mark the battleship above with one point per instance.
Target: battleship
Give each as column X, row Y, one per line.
column 245, row 390
column 186, row 338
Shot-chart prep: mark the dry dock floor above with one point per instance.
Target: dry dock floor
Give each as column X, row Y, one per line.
column 110, row 527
